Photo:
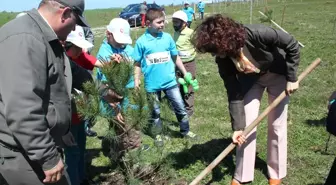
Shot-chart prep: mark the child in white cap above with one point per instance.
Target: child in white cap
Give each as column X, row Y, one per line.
column 74, row 155
column 187, row 53
column 116, row 45
column 74, row 46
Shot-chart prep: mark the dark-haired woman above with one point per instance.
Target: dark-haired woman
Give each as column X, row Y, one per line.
column 252, row 59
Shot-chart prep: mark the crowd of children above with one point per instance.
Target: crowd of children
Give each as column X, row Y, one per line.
column 161, row 59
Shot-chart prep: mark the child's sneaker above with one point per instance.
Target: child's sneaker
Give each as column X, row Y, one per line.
column 158, row 141
column 192, row 136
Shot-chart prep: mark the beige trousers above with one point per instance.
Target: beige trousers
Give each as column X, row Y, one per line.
column 277, row 130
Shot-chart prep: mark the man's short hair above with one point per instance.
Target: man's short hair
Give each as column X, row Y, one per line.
column 154, row 13
column 51, row 4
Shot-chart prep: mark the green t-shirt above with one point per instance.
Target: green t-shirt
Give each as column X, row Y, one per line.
column 185, row 49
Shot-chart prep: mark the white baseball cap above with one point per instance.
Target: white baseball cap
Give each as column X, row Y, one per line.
column 77, row 37
column 121, row 30
column 186, row 2
column 181, row 15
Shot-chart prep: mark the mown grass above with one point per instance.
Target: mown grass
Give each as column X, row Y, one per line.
column 311, row 23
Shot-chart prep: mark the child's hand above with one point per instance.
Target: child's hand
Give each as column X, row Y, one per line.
column 188, row 77
column 137, row 84
column 188, row 80
column 112, row 98
column 184, row 85
column 120, row 118
column 116, row 58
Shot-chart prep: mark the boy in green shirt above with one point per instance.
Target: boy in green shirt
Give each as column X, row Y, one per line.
column 187, row 53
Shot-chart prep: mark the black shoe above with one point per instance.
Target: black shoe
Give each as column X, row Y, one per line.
column 86, row 182
column 90, row 133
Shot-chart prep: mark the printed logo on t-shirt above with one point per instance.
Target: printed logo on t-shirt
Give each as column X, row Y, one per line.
column 184, row 54
column 158, row 58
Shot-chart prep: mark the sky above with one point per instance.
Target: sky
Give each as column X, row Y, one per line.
column 23, row 5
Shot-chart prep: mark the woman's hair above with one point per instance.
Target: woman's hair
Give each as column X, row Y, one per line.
column 219, row 34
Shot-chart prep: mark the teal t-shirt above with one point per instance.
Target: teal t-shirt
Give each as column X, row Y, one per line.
column 201, row 6
column 106, row 50
column 155, row 57
column 189, row 11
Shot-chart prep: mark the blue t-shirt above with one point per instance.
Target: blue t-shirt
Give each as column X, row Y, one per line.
column 155, row 58
column 189, row 11
column 201, row 6
column 106, row 50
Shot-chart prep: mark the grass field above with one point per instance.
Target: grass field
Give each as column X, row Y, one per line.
column 311, row 22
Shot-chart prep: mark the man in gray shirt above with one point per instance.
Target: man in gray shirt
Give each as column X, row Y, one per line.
column 35, row 89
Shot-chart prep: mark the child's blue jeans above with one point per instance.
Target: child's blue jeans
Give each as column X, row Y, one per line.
column 175, row 99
